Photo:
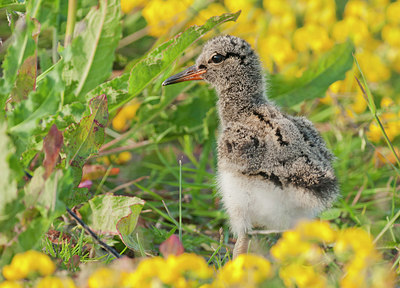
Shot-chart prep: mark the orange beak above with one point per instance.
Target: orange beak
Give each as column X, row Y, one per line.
column 191, row 73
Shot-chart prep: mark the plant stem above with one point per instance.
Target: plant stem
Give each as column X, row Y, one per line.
column 71, row 20
column 180, row 200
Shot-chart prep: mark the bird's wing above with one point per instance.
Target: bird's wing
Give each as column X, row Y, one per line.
column 283, row 149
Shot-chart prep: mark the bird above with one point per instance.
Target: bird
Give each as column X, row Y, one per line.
column 273, row 169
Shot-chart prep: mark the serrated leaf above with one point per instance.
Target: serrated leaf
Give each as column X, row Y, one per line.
column 126, row 226
column 90, row 56
column 85, row 138
column 115, row 207
column 51, row 146
column 163, row 56
column 328, row 69
column 114, row 89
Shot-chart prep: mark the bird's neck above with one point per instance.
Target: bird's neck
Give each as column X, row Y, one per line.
column 238, row 99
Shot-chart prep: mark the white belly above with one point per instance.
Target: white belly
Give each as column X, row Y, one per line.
column 259, row 203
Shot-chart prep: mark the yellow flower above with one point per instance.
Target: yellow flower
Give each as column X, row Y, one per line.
column 321, row 13
column 316, row 230
column 147, row 270
column 301, row 276
column 212, row 10
column 55, row 282
column 391, row 34
column 392, row 13
column 28, row 262
column 351, row 27
column 356, row 8
column 283, row 24
column 124, row 157
column 277, row 7
column 128, row 5
column 360, row 104
column 373, row 67
column 291, row 246
column 103, row 278
column 44, row 264
column 355, row 240
column 386, row 102
column 190, row 264
column 162, row 15
column 374, row 133
column 10, row 284
column 236, row 5
column 276, row 48
column 129, row 110
column 119, row 123
column 312, row 37
column 246, row 268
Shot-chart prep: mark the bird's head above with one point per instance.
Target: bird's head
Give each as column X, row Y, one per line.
column 226, row 61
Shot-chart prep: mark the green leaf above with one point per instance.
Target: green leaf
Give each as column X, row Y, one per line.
column 114, row 208
column 330, row 214
column 90, row 56
column 26, row 80
column 163, row 56
column 42, row 103
column 85, row 138
column 9, row 194
column 126, row 226
column 328, row 69
column 23, row 46
column 114, row 89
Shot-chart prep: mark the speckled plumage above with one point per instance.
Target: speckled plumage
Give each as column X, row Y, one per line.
column 273, row 168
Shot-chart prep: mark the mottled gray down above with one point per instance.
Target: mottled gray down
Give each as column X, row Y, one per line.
column 256, row 137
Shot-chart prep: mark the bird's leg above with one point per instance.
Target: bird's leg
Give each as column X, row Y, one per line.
column 241, row 245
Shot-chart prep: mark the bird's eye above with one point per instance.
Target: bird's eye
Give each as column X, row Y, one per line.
column 217, row 58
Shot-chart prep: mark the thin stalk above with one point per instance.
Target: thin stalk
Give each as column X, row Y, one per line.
column 372, row 107
column 180, row 200
column 387, row 226
column 71, row 20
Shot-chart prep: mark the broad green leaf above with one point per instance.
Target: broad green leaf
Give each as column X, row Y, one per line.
column 86, row 137
column 42, row 103
column 9, row 193
column 103, row 212
column 126, row 226
column 23, row 46
column 26, row 80
column 114, row 89
column 41, row 192
column 163, row 56
column 90, row 56
column 328, row 69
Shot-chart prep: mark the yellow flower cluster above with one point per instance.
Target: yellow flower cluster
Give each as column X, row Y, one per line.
column 246, row 270
column 128, row 5
column 121, row 121
column 303, row 261
column 185, row 270
column 303, row 258
column 390, row 121
column 31, row 264
column 162, row 15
